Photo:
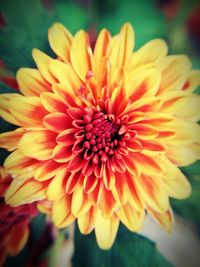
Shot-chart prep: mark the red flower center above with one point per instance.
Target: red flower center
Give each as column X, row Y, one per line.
column 99, row 135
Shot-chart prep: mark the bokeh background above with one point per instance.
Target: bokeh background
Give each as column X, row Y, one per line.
column 23, row 26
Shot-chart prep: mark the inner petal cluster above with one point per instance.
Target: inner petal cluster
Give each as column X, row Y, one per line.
column 98, row 136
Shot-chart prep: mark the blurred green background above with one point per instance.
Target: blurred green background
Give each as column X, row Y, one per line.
column 24, row 25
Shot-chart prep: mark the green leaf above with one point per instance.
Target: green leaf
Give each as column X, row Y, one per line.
column 189, row 208
column 129, row 250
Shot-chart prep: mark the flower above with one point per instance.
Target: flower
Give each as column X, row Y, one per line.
column 14, row 222
column 102, row 132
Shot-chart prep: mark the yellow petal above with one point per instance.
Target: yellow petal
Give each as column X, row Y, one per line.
column 81, row 54
column 61, row 212
column 60, row 40
column 31, row 82
column 105, row 230
column 143, row 82
column 122, row 46
column 37, row 144
column 5, row 112
column 42, row 61
column 56, row 188
column 151, row 52
column 65, row 75
column 48, row 169
column 23, row 191
column 131, row 218
column 24, row 109
column 166, row 220
column 11, row 139
column 173, row 70
column 18, row 165
column 86, row 221
column 151, row 189
column 192, row 82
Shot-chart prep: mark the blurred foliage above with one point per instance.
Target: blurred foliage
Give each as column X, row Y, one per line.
column 147, row 20
column 129, row 250
column 27, row 24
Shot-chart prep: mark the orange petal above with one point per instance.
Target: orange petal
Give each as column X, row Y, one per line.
column 86, row 221
column 19, row 165
column 107, row 203
column 47, row 169
column 42, row 61
column 192, row 82
column 143, row 82
column 31, row 82
column 57, row 122
column 132, row 219
column 17, row 238
column 11, row 139
column 81, row 54
column 119, row 189
column 22, row 191
column 24, row 109
column 105, row 230
column 53, row 103
column 37, row 144
column 166, row 220
column 62, row 153
column 153, row 192
column 60, row 40
column 90, row 183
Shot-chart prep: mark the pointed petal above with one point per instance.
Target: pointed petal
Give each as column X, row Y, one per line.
column 19, row 165
column 57, row 122
column 42, row 61
column 166, row 220
column 61, row 212
column 56, row 188
column 52, row 102
column 81, row 54
column 153, row 192
column 24, row 110
column 23, row 191
column 17, row 238
column 151, row 52
column 60, row 40
column 31, row 82
column 37, row 144
column 105, row 230
column 86, row 221
column 47, row 169
column 11, row 139
column 132, row 219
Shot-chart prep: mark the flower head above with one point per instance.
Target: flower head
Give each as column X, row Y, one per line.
column 14, row 222
column 102, row 132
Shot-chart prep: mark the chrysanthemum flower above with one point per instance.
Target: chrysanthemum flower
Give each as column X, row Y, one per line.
column 14, row 222
column 102, row 132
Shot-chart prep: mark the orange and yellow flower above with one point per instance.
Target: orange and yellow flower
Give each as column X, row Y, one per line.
column 103, row 131
column 14, row 222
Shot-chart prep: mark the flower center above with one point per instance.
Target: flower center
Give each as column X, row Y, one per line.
column 99, row 135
